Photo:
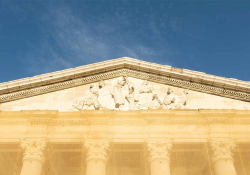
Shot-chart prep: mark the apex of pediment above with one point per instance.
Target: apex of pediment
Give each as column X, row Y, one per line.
column 122, row 66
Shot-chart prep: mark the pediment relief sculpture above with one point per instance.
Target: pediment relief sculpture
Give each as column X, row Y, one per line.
column 101, row 96
column 125, row 88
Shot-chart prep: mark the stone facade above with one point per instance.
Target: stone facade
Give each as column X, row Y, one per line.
column 73, row 99
column 125, row 117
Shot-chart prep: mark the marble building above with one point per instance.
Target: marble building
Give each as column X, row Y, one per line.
column 125, row 117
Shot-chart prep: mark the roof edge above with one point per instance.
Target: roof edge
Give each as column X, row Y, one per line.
column 124, row 62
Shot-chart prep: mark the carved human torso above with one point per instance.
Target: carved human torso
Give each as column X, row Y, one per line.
column 122, row 96
column 145, row 96
column 105, row 98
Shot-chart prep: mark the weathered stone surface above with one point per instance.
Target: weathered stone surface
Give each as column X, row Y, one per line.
column 135, row 94
column 124, row 116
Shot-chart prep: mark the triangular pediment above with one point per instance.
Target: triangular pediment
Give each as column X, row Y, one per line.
column 137, row 72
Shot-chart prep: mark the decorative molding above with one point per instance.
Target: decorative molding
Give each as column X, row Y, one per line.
column 235, row 94
column 97, row 149
column 75, row 121
column 130, row 121
column 40, row 120
column 7, row 121
column 189, row 85
column 59, row 86
column 119, row 63
column 34, row 149
column 159, row 149
column 103, row 97
column 127, row 121
column 222, row 149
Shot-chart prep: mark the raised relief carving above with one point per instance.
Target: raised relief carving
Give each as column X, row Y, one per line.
column 172, row 101
column 105, row 97
column 34, row 149
column 117, row 92
column 78, row 104
column 182, row 100
column 169, row 101
column 97, row 149
column 159, row 149
column 128, row 72
column 90, row 100
column 122, row 96
column 131, row 96
column 156, row 103
column 145, row 96
column 221, row 150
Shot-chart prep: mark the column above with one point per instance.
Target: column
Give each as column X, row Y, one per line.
column 97, row 156
column 159, row 157
column 222, row 157
column 34, row 156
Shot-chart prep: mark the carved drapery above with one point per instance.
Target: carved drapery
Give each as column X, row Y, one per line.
column 34, row 149
column 221, row 149
column 106, row 99
column 159, row 149
column 97, row 149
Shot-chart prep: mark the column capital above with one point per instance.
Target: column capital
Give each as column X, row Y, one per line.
column 221, row 149
column 97, row 149
column 34, row 149
column 159, row 149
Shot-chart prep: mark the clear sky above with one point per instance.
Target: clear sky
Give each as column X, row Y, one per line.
column 38, row 36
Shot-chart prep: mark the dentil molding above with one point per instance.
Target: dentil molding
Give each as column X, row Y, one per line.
column 108, row 117
column 224, row 92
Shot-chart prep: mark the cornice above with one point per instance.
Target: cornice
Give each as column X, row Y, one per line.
column 138, row 121
column 68, row 78
column 244, row 96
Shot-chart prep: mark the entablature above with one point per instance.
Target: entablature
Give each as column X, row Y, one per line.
column 143, row 117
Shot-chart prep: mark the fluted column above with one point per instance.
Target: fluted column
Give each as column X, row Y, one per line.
column 97, row 156
column 159, row 156
column 222, row 157
column 33, row 157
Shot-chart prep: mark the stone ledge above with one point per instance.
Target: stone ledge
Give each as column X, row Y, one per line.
column 127, row 72
column 202, row 116
column 119, row 63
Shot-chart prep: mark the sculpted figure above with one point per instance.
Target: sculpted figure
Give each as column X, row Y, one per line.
column 117, row 92
column 105, row 97
column 156, row 103
column 130, row 97
column 91, row 98
column 78, row 104
column 145, row 96
column 182, row 102
column 170, row 100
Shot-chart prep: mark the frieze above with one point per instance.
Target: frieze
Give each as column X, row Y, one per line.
column 129, row 73
column 139, row 120
column 114, row 97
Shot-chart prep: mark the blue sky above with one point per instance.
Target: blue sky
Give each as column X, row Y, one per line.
column 38, row 36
